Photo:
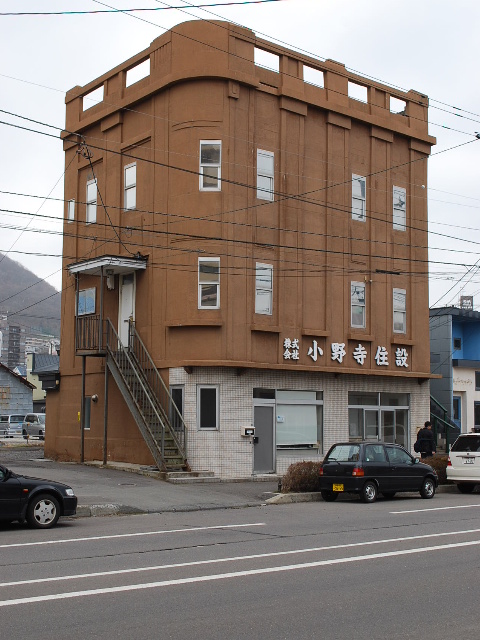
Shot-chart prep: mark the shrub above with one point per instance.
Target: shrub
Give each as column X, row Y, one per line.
column 439, row 463
column 301, row 476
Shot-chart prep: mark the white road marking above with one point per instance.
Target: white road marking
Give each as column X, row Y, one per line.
column 97, row 574
column 461, row 506
column 233, row 574
column 130, row 535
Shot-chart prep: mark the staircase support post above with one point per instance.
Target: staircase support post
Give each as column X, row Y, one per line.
column 82, row 413
column 105, row 417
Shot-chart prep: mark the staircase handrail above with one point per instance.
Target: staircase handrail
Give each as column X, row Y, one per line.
column 111, row 331
column 448, row 428
column 158, row 386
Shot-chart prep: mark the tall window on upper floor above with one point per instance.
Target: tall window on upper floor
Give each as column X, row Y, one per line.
column 399, row 208
column 210, row 165
column 357, row 303
column 399, row 311
column 265, row 174
column 209, row 283
column 91, row 215
column 359, row 198
column 130, row 186
column 70, row 210
column 263, row 288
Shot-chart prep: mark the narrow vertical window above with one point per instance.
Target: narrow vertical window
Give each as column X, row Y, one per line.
column 399, row 208
column 210, row 165
column 130, row 185
column 209, row 283
column 86, row 302
column 359, row 198
column 265, row 174
column 263, row 288
column 71, row 210
column 91, row 201
column 357, row 302
column 207, row 407
column 399, row 311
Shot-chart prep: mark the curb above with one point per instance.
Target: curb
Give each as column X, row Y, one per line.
column 101, row 510
column 289, row 498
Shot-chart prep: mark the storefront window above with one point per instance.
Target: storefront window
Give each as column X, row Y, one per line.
column 379, row 416
column 299, row 419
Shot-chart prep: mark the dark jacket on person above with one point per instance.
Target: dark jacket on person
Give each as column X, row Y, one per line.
column 426, row 441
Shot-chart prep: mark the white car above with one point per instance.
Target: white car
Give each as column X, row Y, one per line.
column 463, row 465
column 34, row 425
column 11, row 425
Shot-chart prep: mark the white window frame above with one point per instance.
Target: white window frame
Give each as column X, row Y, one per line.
column 200, row 387
column 86, row 302
column 208, row 283
column 359, row 202
column 353, row 286
column 266, row 174
column 400, row 309
column 71, row 210
column 399, row 209
column 205, row 165
column 91, row 207
column 263, row 289
column 129, row 188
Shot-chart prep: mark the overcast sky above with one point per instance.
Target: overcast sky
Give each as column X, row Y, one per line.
column 428, row 45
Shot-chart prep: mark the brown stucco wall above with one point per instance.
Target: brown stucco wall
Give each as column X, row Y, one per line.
column 204, row 85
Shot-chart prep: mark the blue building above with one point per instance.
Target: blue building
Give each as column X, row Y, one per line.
column 455, row 355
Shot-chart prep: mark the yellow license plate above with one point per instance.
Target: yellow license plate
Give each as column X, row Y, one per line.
column 338, row 487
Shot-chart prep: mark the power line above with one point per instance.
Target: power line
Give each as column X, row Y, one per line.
column 316, row 59
column 283, row 196
column 113, row 10
column 255, row 243
column 321, row 59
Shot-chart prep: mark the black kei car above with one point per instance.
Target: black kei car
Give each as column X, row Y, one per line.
column 39, row 502
column 370, row 468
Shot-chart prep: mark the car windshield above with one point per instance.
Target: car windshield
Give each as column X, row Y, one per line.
column 467, row 443
column 344, row 453
column 41, row 418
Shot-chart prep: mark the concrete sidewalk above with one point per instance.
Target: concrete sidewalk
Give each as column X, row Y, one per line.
column 110, row 491
column 121, row 489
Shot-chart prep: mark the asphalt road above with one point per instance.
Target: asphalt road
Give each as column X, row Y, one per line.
column 397, row 569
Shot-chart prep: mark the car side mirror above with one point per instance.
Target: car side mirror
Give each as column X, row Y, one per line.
column 416, row 461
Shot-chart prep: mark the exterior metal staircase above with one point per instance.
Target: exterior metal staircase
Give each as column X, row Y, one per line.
column 148, row 399
column 444, row 429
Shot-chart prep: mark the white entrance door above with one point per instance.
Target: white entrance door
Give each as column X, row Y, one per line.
column 126, row 307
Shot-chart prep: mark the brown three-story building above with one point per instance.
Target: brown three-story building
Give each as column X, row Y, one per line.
column 245, row 259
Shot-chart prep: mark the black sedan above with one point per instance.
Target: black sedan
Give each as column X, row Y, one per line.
column 370, row 468
column 39, row 502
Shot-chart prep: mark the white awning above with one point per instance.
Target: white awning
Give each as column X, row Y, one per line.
column 112, row 265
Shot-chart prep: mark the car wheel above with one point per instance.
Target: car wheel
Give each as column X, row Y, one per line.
column 329, row 496
column 428, row 488
column 25, row 435
column 369, row 492
column 388, row 494
column 43, row 511
column 465, row 487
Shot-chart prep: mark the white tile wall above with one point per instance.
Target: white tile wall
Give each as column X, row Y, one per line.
column 230, row 455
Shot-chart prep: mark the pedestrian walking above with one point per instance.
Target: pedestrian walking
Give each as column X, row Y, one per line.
column 425, row 444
